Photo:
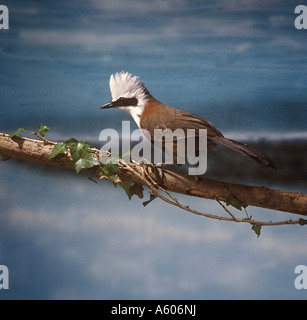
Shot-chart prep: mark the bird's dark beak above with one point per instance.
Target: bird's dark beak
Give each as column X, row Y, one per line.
column 108, row 105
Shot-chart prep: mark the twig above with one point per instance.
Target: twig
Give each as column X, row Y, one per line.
column 153, row 186
column 40, row 137
column 233, row 217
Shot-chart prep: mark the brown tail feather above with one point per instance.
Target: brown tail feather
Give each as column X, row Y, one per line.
column 258, row 158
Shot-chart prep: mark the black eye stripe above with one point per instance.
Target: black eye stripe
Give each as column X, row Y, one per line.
column 125, row 102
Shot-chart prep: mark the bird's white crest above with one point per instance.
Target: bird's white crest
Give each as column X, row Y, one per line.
column 123, row 84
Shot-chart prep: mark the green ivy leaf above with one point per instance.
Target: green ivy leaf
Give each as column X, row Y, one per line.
column 78, row 150
column 109, row 171
column 43, row 129
column 302, row 221
column 71, row 141
column 126, row 186
column 231, row 201
column 82, row 158
column 257, row 229
column 112, row 167
column 86, row 162
column 58, row 149
column 16, row 133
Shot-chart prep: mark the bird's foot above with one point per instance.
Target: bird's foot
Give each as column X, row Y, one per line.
column 155, row 171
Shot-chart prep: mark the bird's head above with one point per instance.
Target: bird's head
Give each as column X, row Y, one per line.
column 128, row 94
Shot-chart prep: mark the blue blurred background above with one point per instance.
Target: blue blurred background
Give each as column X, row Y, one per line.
column 241, row 64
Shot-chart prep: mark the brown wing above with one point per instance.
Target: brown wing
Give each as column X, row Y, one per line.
column 158, row 116
column 186, row 120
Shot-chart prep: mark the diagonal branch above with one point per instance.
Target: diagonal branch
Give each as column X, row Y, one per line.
column 150, row 183
column 39, row 151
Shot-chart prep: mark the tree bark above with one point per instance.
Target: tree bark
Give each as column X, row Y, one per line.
column 292, row 202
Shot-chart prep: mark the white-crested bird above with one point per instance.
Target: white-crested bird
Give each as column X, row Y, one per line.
column 130, row 95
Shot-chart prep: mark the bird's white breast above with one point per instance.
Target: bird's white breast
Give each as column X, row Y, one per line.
column 135, row 113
